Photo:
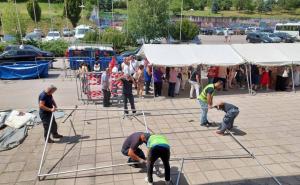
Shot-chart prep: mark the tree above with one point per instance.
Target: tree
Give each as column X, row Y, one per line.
column 73, row 11
column 215, row 6
column 202, row 4
column 260, row 5
column 239, row 4
column 148, row 19
column 226, row 4
column 34, row 10
column 249, row 5
column 189, row 30
column 11, row 23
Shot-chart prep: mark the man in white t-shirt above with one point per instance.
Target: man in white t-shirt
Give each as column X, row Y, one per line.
column 226, row 35
column 125, row 67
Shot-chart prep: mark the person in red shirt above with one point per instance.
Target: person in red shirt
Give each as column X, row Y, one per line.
column 212, row 74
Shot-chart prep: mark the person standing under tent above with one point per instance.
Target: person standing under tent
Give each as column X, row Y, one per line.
column 47, row 107
column 132, row 65
column 125, row 67
column 231, row 113
column 148, row 78
column 178, row 82
column 241, row 76
column 127, row 81
column 231, row 75
column 265, row 79
column 131, row 148
column 212, row 74
column 222, row 75
column 172, row 82
column 158, row 81
column 185, row 77
column 206, row 100
column 254, row 77
column 105, row 87
column 158, row 147
column 195, row 81
column 140, row 81
column 297, row 76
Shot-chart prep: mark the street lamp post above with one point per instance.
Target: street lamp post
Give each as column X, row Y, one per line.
column 181, row 20
column 17, row 13
column 51, row 21
column 82, row 7
column 33, row 4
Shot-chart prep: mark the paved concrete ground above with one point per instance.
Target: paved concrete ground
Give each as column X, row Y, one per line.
column 219, row 39
column 268, row 125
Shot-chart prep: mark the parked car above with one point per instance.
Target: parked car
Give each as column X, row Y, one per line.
column 229, row 30
column 81, row 30
column 218, row 31
column 33, row 36
column 258, row 38
column 273, row 37
column 8, row 38
column 30, row 47
column 16, row 55
column 67, row 32
column 129, row 53
column 206, row 31
column 252, row 29
column 39, row 31
column 53, row 35
column 285, row 37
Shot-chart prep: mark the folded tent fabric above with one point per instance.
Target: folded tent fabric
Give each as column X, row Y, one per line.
column 12, row 137
column 17, row 119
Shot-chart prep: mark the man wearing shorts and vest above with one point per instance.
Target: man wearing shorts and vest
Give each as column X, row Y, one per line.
column 206, row 100
column 158, row 147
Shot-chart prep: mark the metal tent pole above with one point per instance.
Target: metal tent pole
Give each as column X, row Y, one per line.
column 250, row 79
column 117, row 110
column 153, row 82
column 254, row 157
column 45, row 146
column 292, row 69
column 180, row 35
column 179, row 172
column 248, row 82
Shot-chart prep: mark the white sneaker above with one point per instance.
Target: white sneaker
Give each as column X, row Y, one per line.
column 146, row 180
column 168, row 182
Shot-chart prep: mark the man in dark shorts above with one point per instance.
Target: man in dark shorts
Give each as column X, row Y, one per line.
column 131, row 148
column 231, row 113
column 47, row 107
column 127, row 81
column 206, row 100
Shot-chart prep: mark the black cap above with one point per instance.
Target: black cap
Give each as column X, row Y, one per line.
column 147, row 136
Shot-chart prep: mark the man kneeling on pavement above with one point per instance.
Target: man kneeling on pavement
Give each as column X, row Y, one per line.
column 158, row 147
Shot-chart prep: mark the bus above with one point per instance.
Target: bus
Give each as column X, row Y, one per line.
column 291, row 28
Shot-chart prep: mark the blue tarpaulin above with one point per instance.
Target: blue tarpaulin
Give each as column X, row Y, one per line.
column 24, row 71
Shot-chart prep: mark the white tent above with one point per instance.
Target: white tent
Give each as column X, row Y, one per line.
column 262, row 54
column 292, row 51
column 188, row 54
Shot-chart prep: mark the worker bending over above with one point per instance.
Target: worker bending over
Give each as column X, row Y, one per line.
column 158, row 147
column 231, row 113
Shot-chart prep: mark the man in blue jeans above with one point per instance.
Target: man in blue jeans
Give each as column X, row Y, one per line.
column 206, row 100
column 231, row 113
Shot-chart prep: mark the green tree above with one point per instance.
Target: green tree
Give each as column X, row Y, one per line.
column 34, row 10
column 215, row 7
column 202, row 4
column 249, row 5
column 226, row 4
column 11, row 23
column 260, row 5
column 148, row 19
column 189, row 30
column 73, row 11
column 239, row 4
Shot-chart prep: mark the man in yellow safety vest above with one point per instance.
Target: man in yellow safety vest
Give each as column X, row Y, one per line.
column 206, row 100
column 159, row 147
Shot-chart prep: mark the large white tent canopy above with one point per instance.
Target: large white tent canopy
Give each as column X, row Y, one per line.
column 189, row 54
column 221, row 55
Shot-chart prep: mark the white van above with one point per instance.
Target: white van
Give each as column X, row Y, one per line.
column 81, row 30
